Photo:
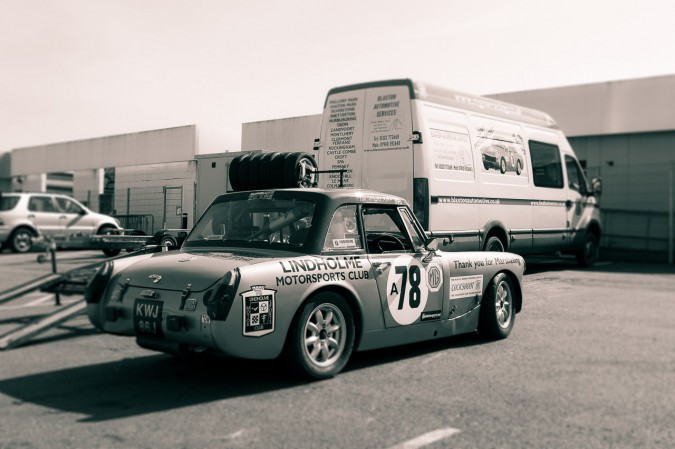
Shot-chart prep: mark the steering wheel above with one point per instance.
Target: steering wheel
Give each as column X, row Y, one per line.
column 387, row 238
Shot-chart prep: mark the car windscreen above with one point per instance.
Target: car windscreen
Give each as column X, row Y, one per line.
column 283, row 223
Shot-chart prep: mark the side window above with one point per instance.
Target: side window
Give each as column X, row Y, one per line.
column 68, row 206
column 41, row 204
column 343, row 232
column 575, row 177
column 385, row 230
column 546, row 165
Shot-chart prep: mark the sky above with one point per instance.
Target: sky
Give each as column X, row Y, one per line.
column 79, row 69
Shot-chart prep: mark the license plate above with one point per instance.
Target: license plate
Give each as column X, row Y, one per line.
column 148, row 317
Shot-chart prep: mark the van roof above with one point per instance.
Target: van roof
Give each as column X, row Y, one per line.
column 448, row 97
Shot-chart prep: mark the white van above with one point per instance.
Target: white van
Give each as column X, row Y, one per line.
column 481, row 174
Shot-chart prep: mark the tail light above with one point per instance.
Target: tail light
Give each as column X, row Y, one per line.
column 421, row 201
column 218, row 305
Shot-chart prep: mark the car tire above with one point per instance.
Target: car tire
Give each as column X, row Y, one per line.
column 277, row 170
column 497, row 310
column 519, row 168
column 494, row 243
column 321, row 339
column 254, row 181
column 109, row 230
column 21, row 240
column 265, row 172
column 168, row 241
column 292, row 168
column 589, row 252
column 244, row 164
column 502, row 166
column 233, row 172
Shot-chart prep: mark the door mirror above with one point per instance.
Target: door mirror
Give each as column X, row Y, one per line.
column 596, row 186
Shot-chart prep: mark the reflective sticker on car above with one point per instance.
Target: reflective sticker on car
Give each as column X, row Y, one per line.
column 407, row 290
column 259, row 310
column 463, row 286
column 344, row 243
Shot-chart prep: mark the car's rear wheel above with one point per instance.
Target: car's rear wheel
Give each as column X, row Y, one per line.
column 109, row 230
column 21, row 240
column 497, row 310
column 321, row 339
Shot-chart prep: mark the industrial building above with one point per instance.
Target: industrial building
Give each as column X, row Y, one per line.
column 622, row 131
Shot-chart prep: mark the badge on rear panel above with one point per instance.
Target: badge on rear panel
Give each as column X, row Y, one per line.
column 258, row 311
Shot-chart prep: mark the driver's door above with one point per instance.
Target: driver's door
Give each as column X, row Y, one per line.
column 409, row 286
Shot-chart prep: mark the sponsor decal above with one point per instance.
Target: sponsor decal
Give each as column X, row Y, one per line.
column 464, row 286
column 266, row 195
column 311, row 270
column 344, row 243
column 432, row 315
column 434, row 277
column 259, row 308
column 406, row 290
column 487, row 262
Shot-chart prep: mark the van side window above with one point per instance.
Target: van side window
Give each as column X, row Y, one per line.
column 575, row 178
column 546, row 165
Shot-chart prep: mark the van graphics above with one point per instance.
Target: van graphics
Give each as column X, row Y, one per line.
column 258, row 307
column 485, row 200
column 451, row 151
column 386, row 120
column 341, row 136
column 502, row 151
column 464, row 286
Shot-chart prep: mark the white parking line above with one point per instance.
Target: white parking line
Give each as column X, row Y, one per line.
column 427, row 438
column 34, row 303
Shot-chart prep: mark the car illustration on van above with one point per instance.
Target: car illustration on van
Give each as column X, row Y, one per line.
column 481, row 174
column 503, row 158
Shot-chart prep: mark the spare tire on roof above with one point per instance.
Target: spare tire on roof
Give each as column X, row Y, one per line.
column 254, row 171
column 296, row 170
column 265, row 171
column 233, row 172
column 277, row 170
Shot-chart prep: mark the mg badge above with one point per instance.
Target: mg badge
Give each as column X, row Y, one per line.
column 155, row 278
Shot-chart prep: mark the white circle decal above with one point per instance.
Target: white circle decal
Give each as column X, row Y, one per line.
column 406, row 289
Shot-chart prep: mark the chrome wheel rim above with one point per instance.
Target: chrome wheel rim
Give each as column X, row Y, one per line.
column 324, row 335
column 503, row 305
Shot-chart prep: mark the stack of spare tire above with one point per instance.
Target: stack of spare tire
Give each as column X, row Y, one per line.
column 271, row 171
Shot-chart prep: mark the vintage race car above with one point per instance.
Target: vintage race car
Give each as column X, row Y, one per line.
column 309, row 274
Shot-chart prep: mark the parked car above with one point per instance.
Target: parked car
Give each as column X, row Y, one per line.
column 310, row 274
column 25, row 216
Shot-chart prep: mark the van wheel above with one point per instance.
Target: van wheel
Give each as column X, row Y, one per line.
column 590, row 252
column 502, row 166
column 493, row 243
column 497, row 311
column 519, row 168
column 21, row 240
column 321, row 339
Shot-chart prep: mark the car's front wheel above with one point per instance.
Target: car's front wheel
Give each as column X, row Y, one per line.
column 497, row 310
column 322, row 336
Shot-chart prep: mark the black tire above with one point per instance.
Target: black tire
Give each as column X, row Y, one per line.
column 519, row 168
column 244, row 181
column 254, row 171
column 494, row 243
column 317, row 348
column 590, row 251
column 168, row 241
column 233, row 172
column 277, row 170
column 21, row 240
column 109, row 230
column 498, row 310
column 292, row 168
column 502, row 166
column 265, row 171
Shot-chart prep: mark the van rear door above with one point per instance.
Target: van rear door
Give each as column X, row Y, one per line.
column 367, row 131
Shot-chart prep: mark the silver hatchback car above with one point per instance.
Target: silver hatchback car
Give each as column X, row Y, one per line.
column 24, row 216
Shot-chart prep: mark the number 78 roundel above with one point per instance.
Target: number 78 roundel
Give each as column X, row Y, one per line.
column 407, row 289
